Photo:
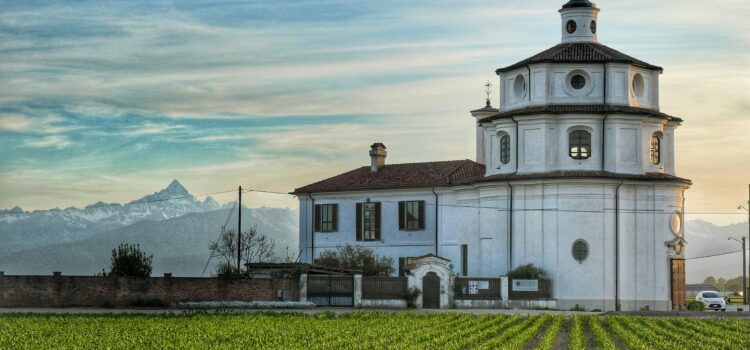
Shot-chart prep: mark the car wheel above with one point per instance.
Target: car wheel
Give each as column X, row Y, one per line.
column 723, row 310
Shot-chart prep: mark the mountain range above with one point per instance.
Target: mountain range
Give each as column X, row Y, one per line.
column 171, row 224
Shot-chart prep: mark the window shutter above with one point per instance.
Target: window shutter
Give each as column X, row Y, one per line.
column 335, row 215
column 401, row 215
column 377, row 221
column 359, row 221
column 421, row 215
column 318, row 215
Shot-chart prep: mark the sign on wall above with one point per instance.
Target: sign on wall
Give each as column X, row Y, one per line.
column 525, row 286
column 473, row 287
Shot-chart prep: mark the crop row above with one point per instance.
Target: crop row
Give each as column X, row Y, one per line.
column 369, row 331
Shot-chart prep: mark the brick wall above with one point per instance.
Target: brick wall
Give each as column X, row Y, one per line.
column 59, row 290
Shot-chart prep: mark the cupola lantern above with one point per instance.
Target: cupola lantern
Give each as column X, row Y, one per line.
column 579, row 21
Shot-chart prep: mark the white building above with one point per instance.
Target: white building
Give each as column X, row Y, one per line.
column 574, row 173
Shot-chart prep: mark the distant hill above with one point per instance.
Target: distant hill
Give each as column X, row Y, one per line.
column 179, row 245
column 705, row 238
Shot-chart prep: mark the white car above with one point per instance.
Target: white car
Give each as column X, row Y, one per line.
column 712, row 300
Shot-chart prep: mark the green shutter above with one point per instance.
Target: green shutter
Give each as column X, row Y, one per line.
column 421, row 215
column 359, row 221
column 401, row 215
column 377, row 221
column 335, row 214
column 318, row 214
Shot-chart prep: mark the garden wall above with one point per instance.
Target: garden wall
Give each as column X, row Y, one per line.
column 58, row 290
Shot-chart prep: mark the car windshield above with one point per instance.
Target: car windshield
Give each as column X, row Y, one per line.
column 710, row 295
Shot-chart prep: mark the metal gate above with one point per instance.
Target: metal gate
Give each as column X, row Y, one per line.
column 328, row 290
column 431, row 290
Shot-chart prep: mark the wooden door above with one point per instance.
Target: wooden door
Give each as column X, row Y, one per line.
column 431, row 291
column 678, row 284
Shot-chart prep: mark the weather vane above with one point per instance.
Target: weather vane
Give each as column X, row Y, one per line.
column 488, row 91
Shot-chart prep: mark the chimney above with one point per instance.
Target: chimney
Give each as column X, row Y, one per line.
column 377, row 157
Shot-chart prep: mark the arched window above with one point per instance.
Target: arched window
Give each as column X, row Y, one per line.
column 505, row 149
column 580, row 144
column 655, row 148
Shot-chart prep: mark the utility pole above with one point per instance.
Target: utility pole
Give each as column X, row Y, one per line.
column 744, row 268
column 239, row 231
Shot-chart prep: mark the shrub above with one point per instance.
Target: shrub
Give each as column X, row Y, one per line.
column 528, row 272
column 357, row 257
column 411, row 296
column 695, row 305
column 226, row 269
column 130, row 260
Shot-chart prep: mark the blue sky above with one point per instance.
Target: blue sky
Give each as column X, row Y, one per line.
column 109, row 100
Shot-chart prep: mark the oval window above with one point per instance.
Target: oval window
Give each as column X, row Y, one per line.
column 571, row 27
column 638, row 85
column 519, row 87
column 580, row 250
column 593, row 27
column 578, row 82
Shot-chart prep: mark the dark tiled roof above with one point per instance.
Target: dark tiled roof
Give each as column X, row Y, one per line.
column 460, row 172
column 580, row 53
column 580, row 109
column 395, row 176
column 579, row 174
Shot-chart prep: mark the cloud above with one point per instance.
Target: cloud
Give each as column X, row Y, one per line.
column 14, row 122
column 51, row 141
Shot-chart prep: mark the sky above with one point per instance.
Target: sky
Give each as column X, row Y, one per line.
column 111, row 100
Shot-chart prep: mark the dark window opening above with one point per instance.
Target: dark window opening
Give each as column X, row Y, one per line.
column 368, row 221
column 580, row 144
column 571, row 27
column 655, row 149
column 326, row 217
column 505, row 149
column 578, row 82
column 411, row 215
column 580, row 250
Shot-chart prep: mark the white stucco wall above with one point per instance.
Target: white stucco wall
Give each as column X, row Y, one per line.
column 393, row 242
column 543, row 141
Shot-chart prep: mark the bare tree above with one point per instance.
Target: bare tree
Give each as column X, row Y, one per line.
column 256, row 247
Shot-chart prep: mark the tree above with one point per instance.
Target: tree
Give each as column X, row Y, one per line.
column 130, row 260
column 357, row 258
column 256, row 247
column 710, row 280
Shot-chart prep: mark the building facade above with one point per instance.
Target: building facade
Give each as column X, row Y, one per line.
column 574, row 173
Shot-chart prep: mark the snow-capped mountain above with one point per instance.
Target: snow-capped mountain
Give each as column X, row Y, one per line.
column 21, row 230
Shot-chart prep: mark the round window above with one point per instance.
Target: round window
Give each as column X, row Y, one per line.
column 580, row 250
column 571, row 26
column 593, row 27
column 578, row 82
column 638, row 85
column 519, row 87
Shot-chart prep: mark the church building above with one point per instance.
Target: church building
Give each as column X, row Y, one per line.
column 574, row 173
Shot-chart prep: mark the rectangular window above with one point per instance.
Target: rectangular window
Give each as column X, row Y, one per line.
column 326, row 217
column 464, row 260
column 368, row 221
column 411, row 215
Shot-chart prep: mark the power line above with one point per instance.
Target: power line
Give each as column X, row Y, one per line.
column 714, row 255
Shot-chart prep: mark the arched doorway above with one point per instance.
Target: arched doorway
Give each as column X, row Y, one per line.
column 431, row 291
